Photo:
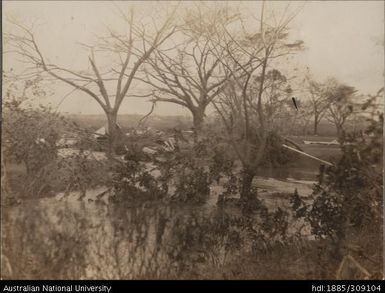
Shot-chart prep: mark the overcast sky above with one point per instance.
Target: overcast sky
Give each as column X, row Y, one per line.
column 343, row 39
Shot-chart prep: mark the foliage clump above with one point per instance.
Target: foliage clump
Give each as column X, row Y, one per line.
column 347, row 206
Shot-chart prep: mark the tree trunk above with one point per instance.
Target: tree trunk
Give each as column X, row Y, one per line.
column 112, row 132
column 247, row 180
column 198, row 123
column 340, row 131
column 315, row 131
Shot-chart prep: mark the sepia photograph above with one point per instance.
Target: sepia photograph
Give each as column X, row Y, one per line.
column 191, row 140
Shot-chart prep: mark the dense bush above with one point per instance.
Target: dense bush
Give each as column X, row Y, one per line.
column 133, row 182
column 178, row 176
column 31, row 137
column 275, row 155
column 347, row 206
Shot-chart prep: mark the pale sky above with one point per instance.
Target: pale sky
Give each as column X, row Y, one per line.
column 343, row 39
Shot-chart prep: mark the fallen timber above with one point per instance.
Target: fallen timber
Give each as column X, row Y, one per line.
column 307, row 155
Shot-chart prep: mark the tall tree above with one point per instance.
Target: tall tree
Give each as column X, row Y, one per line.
column 340, row 105
column 244, row 106
column 318, row 101
column 191, row 74
column 108, row 88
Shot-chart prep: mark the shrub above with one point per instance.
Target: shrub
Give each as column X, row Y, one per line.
column 347, row 206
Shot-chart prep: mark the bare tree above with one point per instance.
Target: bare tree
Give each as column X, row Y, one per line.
column 243, row 106
column 190, row 74
column 108, row 88
column 340, row 105
column 319, row 102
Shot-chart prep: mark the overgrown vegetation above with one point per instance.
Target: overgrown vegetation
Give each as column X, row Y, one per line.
column 348, row 199
column 171, row 206
column 31, row 137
